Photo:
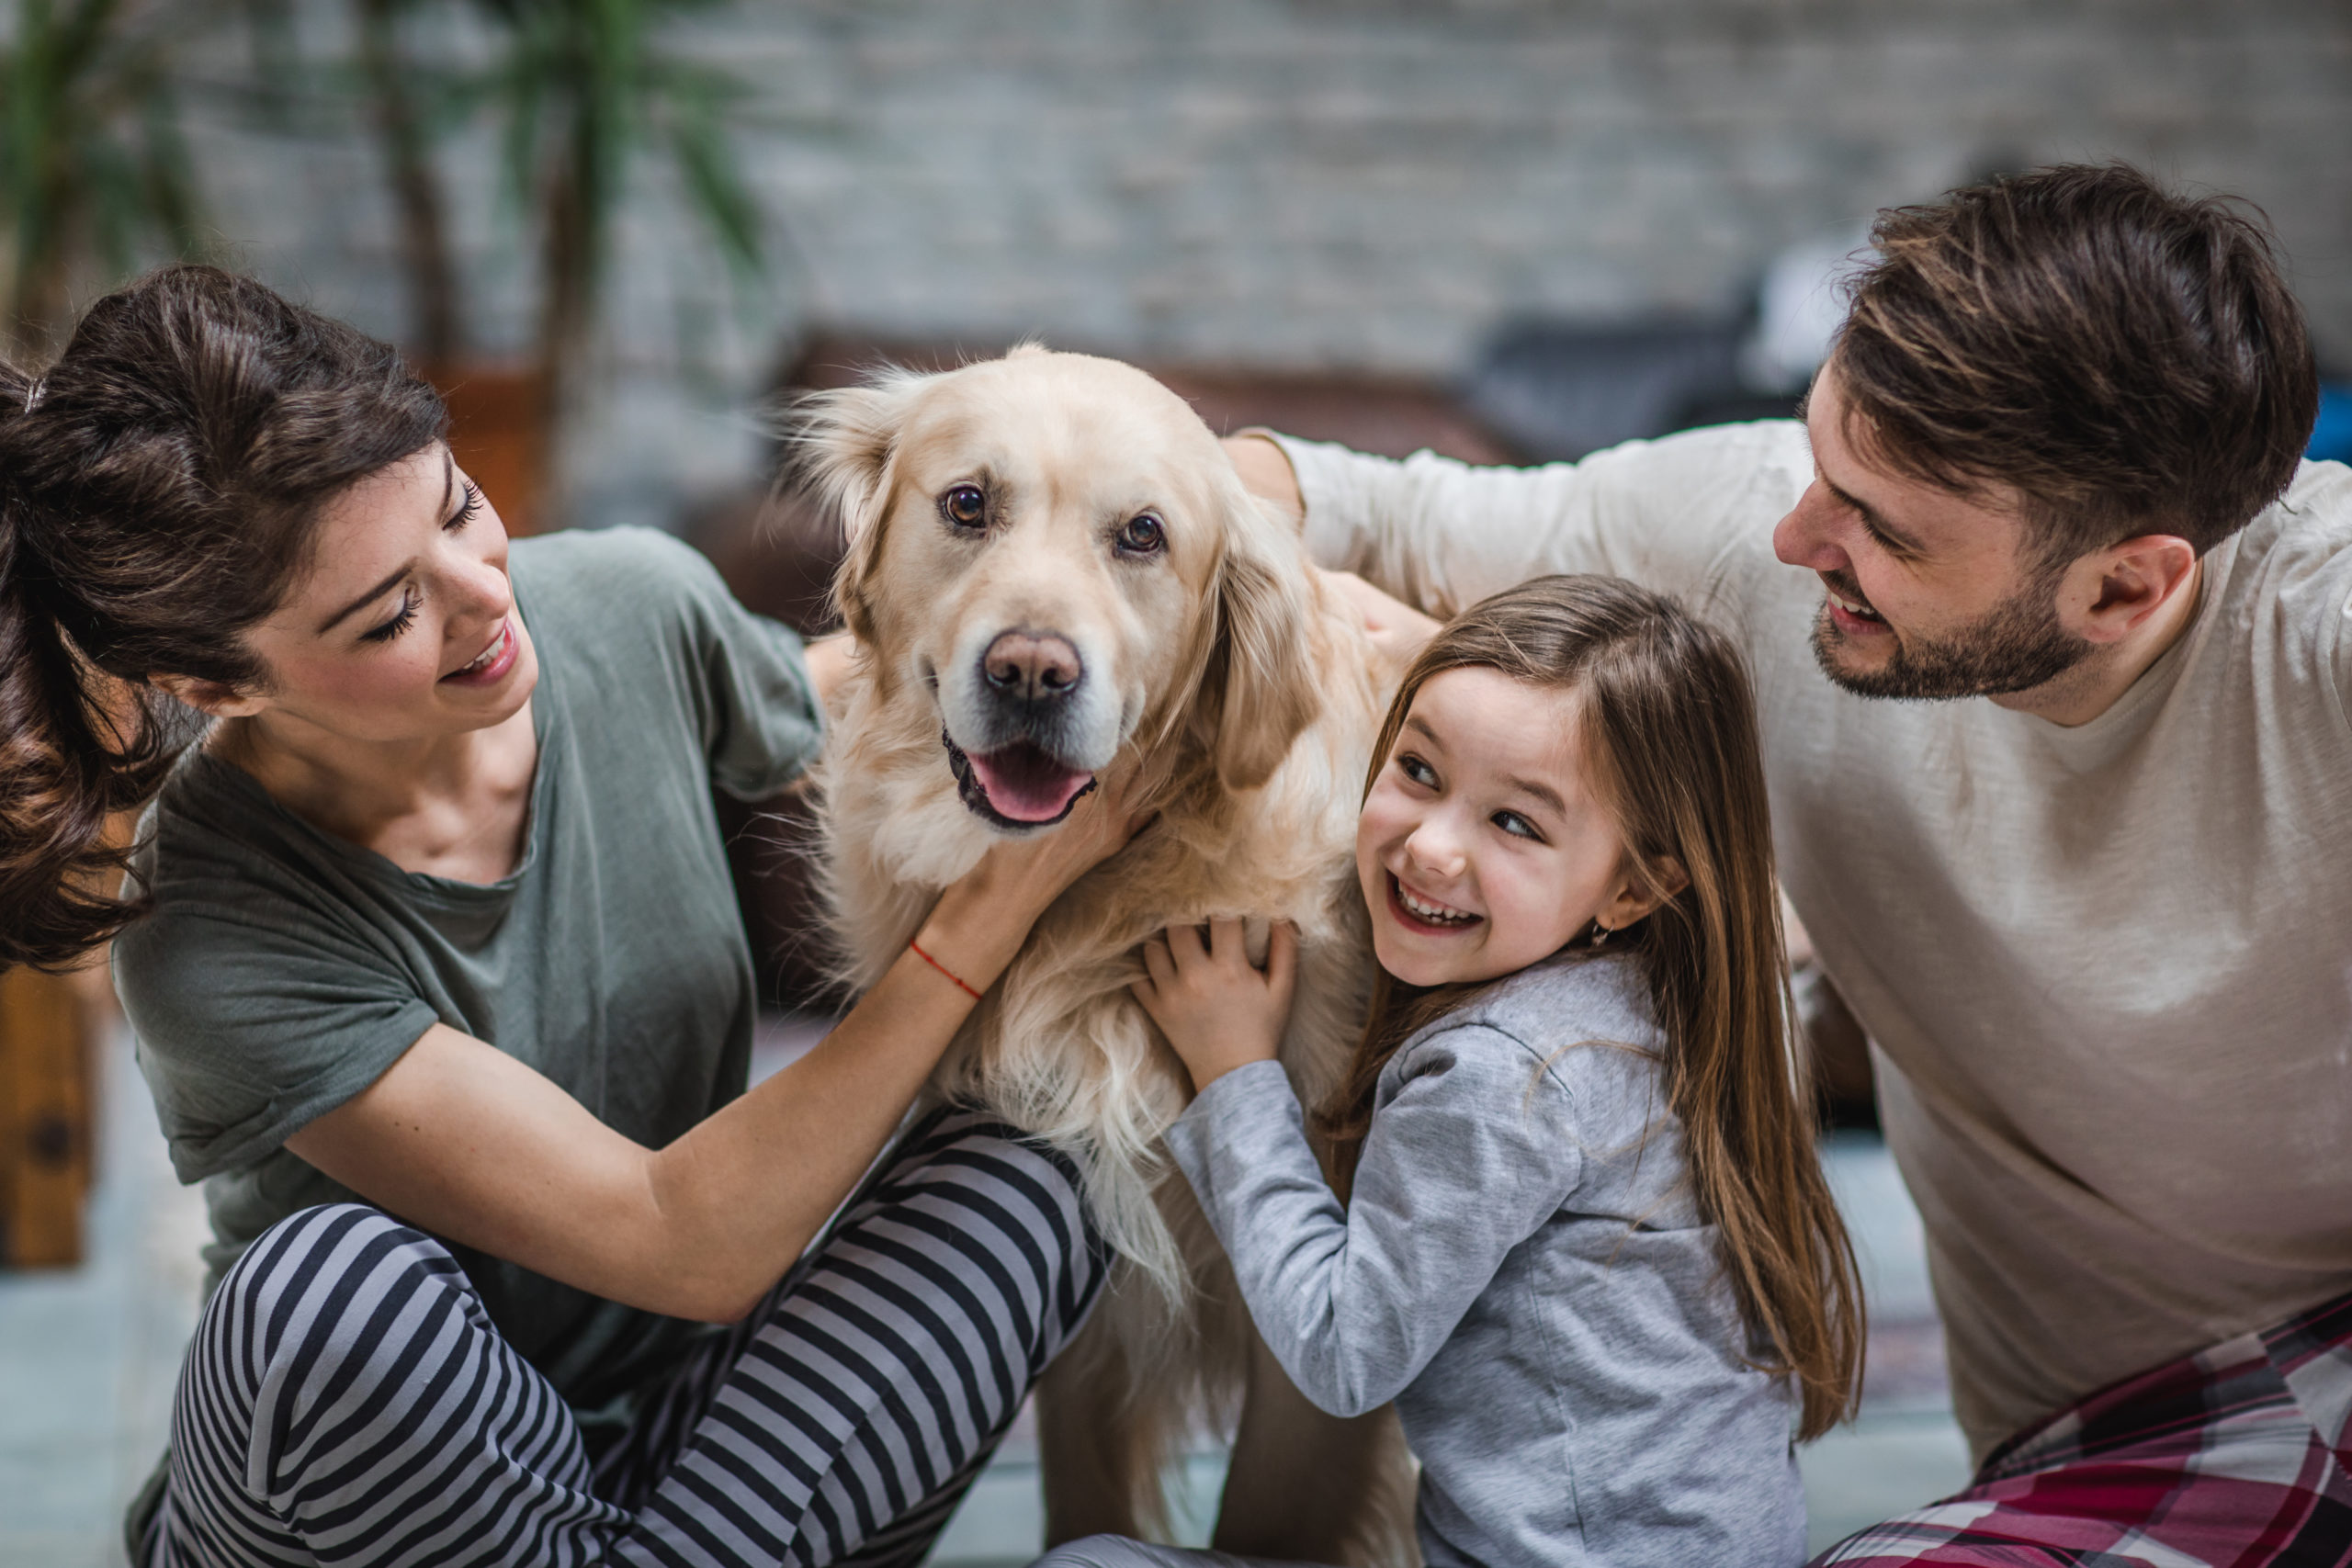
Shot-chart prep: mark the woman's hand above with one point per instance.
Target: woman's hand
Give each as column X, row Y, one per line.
column 1398, row 631
column 1217, row 1008
column 471, row 1144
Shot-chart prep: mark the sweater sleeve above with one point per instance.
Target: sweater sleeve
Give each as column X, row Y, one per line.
column 1678, row 515
column 1471, row 1155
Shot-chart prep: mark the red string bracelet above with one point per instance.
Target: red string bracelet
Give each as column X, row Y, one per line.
column 916, row 948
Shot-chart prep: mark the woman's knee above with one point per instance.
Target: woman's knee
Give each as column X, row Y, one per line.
column 317, row 1279
column 1025, row 1202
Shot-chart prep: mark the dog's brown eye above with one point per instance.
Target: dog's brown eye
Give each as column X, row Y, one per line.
column 1142, row 536
column 967, row 506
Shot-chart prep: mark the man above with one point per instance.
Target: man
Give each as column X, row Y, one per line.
column 2053, row 665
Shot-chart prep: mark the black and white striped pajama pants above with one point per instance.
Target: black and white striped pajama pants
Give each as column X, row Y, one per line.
column 347, row 1401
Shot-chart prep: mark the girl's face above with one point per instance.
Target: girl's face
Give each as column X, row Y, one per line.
column 1481, row 849
column 404, row 628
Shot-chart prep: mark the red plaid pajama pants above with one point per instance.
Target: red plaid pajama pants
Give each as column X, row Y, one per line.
column 2240, row 1457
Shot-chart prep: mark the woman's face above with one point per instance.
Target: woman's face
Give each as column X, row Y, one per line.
column 404, row 627
column 1482, row 847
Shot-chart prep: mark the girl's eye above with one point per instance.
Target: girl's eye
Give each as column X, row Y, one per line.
column 1416, row 770
column 406, row 619
column 965, row 506
column 467, row 513
column 1142, row 536
column 1519, row 827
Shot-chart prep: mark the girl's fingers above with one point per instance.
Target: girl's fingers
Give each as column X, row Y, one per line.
column 1185, row 945
column 1158, row 964
column 1282, row 958
column 1224, row 938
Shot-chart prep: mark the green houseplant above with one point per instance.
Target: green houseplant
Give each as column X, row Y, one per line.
column 94, row 170
column 582, row 92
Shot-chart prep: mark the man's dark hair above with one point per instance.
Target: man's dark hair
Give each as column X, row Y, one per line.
column 2131, row 360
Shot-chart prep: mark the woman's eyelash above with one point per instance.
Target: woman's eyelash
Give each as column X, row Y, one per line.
column 397, row 624
column 465, row 513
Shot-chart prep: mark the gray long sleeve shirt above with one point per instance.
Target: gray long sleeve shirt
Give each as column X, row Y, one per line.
column 1523, row 1270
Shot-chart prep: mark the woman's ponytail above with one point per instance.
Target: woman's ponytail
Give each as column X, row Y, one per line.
column 76, row 748
column 158, row 486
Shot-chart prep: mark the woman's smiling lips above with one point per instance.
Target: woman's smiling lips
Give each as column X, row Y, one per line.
column 489, row 666
column 1416, row 913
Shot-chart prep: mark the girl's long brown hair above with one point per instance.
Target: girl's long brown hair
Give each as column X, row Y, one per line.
column 1669, row 722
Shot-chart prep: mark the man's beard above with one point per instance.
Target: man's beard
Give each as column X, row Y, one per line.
column 2015, row 647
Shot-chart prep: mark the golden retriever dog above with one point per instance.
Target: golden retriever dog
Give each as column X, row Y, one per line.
column 1054, row 576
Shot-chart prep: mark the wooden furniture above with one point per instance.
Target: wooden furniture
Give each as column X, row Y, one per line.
column 46, row 1023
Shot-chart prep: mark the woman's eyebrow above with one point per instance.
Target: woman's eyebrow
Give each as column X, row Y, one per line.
column 448, row 493
column 364, row 599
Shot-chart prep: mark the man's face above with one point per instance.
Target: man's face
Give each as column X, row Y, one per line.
column 1932, row 592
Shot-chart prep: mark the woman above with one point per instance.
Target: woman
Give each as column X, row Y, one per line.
column 435, row 922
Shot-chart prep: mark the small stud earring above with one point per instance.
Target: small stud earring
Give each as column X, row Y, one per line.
column 1600, row 933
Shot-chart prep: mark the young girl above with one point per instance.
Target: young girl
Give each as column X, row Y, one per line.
column 1586, row 1248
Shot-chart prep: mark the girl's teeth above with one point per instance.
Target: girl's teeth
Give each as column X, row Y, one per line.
column 1434, row 913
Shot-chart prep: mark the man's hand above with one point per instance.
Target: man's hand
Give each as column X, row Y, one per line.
column 1266, row 473
column 1216, row 1008
column 1398, row 631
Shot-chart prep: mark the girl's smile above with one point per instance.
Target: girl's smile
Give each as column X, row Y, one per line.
column 1483, row 846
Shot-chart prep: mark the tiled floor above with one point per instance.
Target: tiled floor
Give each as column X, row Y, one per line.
column 87, row 1358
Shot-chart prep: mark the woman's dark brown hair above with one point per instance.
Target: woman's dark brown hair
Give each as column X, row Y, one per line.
column 1668, row 724
column 158, row 484
column 2131, row 360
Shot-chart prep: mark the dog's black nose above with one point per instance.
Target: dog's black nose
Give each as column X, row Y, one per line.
column 1031, row 666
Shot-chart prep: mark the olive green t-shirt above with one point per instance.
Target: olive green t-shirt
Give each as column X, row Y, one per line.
column 284, row 969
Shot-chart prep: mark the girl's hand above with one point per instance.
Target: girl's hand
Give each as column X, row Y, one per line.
column 1216, row 1008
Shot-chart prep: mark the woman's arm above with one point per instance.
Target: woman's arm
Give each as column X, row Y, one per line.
column 470, row 1144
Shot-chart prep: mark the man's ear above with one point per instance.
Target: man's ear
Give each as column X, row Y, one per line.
column 1261, row 669
column 209, row 697
column 2112, row 592
column 847, row 442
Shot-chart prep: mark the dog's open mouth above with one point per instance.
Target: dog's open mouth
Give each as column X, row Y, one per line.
column 1018, row 785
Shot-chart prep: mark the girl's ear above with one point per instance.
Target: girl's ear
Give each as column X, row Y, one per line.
column 847, row 444
column 1639, row 895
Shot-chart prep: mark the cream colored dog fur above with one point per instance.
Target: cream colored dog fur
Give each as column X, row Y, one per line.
column 1214, row 662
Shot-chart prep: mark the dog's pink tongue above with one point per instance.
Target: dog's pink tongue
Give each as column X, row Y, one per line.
column 1025, row 785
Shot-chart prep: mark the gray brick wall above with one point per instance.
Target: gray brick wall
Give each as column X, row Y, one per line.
column 1344, row 183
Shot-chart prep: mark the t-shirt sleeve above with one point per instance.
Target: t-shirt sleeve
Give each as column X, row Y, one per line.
column 251, row 1027
column 1671, row 514
column 1475, row 1151
column 759, row 720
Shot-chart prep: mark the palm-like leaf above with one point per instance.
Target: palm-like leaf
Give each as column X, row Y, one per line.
column 92, row 166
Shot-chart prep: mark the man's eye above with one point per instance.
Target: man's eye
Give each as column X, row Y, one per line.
column 965, row 506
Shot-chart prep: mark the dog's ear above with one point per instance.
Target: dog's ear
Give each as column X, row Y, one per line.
column 1262, row 668
column 845, row 447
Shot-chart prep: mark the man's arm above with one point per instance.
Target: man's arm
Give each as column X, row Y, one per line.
column 1441, row 535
